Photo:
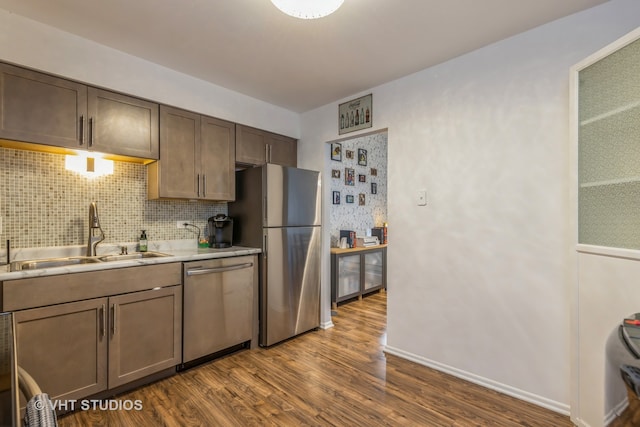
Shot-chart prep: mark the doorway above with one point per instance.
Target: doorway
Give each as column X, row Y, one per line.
column 355, row 195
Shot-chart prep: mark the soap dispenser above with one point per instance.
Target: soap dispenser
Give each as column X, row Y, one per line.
column 143, row 241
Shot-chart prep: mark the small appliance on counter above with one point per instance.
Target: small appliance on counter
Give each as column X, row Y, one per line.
column 220, row 231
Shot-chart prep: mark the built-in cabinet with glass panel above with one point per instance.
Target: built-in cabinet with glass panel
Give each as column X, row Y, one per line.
column 605, row 226
column 357, row 271
column 609, row 150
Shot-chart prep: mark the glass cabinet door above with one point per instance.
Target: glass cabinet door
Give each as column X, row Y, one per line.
column 372, row 270
column 609, row 150
column 348, row 275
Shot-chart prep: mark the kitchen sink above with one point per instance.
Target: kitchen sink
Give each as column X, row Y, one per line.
column 136, row 255
column 36, row 264
column 51, row 262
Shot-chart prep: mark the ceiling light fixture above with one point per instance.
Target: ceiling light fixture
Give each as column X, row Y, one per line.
column 308, row 9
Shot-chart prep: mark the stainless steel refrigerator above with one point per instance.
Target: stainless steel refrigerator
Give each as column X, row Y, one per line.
column 277, row 208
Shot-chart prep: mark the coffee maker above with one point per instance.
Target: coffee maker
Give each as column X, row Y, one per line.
column 220, row 231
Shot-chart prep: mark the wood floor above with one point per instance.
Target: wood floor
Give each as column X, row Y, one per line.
column 334, row 377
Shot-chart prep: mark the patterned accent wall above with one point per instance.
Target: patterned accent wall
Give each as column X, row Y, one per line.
column 42, row 204
column 353, row 216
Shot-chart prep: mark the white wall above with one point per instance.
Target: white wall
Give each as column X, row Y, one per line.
column 32, row 44
column 479, row 278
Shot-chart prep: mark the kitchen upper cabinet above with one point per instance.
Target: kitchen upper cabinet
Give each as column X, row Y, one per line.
column 122, row 125
column 197, row 158
column 256, row 147
column 40, row 108
column 43, row 109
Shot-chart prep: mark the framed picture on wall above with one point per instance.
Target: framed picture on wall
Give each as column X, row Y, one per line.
column 362, row 178
column 374, row 172
column 374, row 188
column 336, row 151
column 335, row 173
column 349, row 198
column 355, row 114
column 336, row 197
column 349, row 154
column 349, row 176
column 362, row 157
column 361, row 199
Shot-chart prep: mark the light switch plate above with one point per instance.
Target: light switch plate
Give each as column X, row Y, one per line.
column 422, row 197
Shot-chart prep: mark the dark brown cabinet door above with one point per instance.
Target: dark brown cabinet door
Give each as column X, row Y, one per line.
column 176, row 174
column 256, row 147
column 40, row 108
column 217, row 159
column 43, row 109
column 146, row 334
column 282, row 150
column 251, row 146
column 64, row 347
column 196, row 158
column 122, row 125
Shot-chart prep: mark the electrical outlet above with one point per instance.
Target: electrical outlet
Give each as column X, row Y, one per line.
column 421, row 197
column 180, row 224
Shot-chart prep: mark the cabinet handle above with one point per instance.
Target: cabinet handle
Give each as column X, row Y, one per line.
column 270, row 153
column 266, row 153
column 91, row 131
column 103, row 320
column 198, row 185
column 204, row 185
column 81, row 140
column 113, row 319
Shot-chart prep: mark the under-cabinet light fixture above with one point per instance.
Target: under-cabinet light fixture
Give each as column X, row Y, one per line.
column 308, row 9
column 90, row 165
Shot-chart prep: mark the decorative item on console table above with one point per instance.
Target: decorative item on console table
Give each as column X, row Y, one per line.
column 350, row 236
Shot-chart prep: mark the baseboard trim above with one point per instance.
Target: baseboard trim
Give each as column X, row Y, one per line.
column 552, row 405
column 326, row 325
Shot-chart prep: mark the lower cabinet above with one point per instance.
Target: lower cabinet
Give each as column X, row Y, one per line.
column 77, row 349
column 64, row 347
column 357, row 271
column 145, row 334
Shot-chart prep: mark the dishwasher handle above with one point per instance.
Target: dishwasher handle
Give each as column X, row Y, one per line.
column 200, row 271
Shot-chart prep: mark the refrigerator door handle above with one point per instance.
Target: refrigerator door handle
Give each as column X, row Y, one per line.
column 265, row 206
column 264, row 247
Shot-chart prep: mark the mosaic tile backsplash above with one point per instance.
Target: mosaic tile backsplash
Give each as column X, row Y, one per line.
column 353, row 216
column 42, row 204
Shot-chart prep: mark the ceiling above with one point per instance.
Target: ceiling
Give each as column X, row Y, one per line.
column 251, row 47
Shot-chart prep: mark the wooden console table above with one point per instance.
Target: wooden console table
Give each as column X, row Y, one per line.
column 357, row 271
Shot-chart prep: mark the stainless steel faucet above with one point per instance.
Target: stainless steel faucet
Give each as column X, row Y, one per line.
column 94, row 224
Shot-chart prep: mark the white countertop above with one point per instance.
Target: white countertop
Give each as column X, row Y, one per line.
column 178, row 251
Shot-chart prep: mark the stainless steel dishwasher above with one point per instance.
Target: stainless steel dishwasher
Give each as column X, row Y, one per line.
column 219, row 305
